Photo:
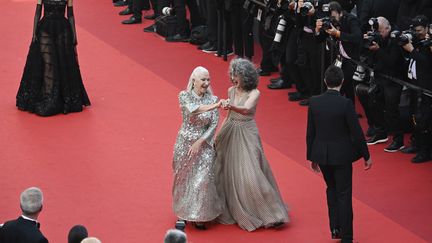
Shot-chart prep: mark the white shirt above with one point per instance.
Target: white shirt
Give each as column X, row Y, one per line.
column 24, row 217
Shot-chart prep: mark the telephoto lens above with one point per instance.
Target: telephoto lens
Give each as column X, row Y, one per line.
column 280, row 30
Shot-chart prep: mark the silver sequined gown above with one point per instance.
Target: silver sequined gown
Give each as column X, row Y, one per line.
column 194, row 192
column 244, row 177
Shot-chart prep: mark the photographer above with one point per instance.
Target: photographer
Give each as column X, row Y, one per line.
column 308, row 52
column 420, row 72
column 344, row 31
column 386, row 58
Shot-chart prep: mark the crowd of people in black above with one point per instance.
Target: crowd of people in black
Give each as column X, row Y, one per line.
column 384, row 48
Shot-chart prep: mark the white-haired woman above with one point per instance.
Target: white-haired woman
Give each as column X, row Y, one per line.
column 195, row 197
column 243, row 176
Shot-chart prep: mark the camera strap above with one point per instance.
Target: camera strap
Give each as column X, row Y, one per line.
column 412, row 69
column 342, row 51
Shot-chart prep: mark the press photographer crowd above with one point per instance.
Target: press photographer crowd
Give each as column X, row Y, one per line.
column 384, row 48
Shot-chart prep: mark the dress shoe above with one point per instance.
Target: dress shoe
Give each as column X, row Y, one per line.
column 151, row 16
column 304, row 102
column 177, row 38
column 275, row 80
column 280, row 84
column 150, row 29
column 211, row 49
column 293, row 93
column 180, row 224
column 229, row 53
column 132, row 20
column 264, row 73
column 421, row 158
column 297, row 97
column 200, row 226
column 409, row 150
column 120, row 3
column 126, row 11
column 335, row 234
column 278, row 225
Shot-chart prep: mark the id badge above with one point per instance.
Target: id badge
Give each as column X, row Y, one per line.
column 338, row 63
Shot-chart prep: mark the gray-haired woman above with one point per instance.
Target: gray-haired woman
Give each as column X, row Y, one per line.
column 243, row 176
column 195, row 197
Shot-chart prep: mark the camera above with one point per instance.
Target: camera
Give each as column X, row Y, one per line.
column 359, row 73
column 370, row 38
column 426, row 43
column 280, row 29
column 373, row 23
column 307, row 6
column 369, row 89
column 403, row 37
column 327, row 23
column 167, row 11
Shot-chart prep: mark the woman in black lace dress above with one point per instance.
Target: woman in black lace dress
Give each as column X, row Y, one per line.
column 51, row 82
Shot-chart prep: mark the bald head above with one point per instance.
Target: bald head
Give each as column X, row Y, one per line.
column 31, row 201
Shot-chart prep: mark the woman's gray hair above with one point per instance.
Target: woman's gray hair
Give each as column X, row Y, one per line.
column 195, row 75
column 175, row 236
column 246, row 71
column 31, row 200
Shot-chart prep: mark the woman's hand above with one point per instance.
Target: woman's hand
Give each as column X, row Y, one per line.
column 225, row 104
column 195, row 148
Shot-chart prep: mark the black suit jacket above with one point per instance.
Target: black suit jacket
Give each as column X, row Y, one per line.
column 21, row 231
column 334, row 135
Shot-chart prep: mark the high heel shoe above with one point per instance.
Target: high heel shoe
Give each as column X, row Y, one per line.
column 180, row 224
column 200, row 226
column 278, row 225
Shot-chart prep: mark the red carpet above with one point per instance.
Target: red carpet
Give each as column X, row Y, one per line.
column 109, row 167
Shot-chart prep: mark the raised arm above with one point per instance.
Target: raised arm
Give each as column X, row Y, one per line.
column 248, row 106
column 209, row 134
column 186, row 103
column 71, row 18
column 36, row 19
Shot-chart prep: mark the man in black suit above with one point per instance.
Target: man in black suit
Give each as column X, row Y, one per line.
column 334, row 141
column 25, row 229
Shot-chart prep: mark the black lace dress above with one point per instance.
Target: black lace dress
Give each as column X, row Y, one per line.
column 51, row 82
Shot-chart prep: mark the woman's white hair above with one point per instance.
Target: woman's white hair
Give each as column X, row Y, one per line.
column 31, row 200
column 195, row 75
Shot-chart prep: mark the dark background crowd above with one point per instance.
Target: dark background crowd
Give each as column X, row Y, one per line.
column 384, row 48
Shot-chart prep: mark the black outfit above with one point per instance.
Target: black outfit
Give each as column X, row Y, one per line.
column 138, row 5
column 385, row 106
column 423, row 104
column 376, row 8
column 349, row 41
column 335, row 140
column 179, row 7
column 21, row 231
column 51, row 82
column 408, row 9
column 241, row 26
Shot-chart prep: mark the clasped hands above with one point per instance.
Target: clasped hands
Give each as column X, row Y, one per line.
column 224, row 104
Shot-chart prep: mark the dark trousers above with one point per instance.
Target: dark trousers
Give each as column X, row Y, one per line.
column 386, row 108
column 338, row 179
column 138, row 6
column 180, row 11
column 266, row 41
column 212, row 21
column 242, row 24
column 423, row 125
column 347, row 89
column 309, row 63
column 291, row 65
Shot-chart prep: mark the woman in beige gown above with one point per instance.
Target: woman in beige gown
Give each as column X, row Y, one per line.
column 243, row 176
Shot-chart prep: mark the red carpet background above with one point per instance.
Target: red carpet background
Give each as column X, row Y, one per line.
column 109, row 167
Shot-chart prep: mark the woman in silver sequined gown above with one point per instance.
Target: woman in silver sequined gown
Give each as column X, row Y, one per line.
column 194, row 193
column 243, row 176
